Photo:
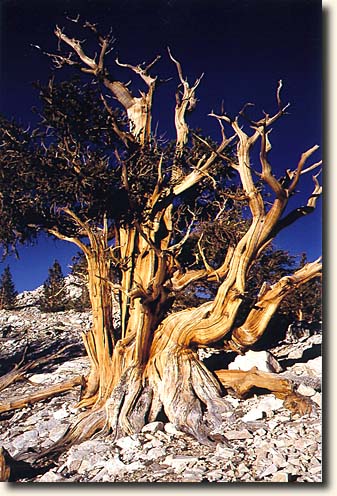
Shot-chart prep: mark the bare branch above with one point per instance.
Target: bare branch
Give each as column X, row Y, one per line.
column 142, row 71
column 267, row 175
column 71, row 239
column 199, row 172
column 299, row 212
column 177, row 247
column 138, row 109
column 315, row 194
column 185, row 103
column 208, row 267
column 278, row 94
column 301, row 163
column 124, row 136
column 76, row 46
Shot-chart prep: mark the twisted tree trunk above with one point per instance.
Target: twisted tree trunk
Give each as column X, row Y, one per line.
column 151, row 363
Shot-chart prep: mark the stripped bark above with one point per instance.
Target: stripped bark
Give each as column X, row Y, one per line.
column 242, row 382
column 151, row 364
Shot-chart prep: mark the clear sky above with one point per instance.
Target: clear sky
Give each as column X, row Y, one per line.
column 243, row 46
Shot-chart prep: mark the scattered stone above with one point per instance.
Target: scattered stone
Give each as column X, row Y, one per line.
column 179, row 462
column 254, row 414
column 280, row 477
column 214, row 475
column 271, row 469
column 171, row 429
column 223, row 451
column 155, row 453
column 270, row 403
column 153, row 427
column 317, row 398
column 61, row 413
column 192, row 476
column 128, row 443
column 314, row 367
column 306, row 390
column 51, row 476
column 265, row 442
column 243, row 434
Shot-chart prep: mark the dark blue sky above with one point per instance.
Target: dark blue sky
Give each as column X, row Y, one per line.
column 243, row 46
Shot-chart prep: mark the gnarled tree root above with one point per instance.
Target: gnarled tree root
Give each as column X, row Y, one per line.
column 180, row 384
column 241, row 382
column 190, row 394
column 125, row 412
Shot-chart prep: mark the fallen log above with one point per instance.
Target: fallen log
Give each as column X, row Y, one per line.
column 18, row 371
column 242, row 382
column 54, row 390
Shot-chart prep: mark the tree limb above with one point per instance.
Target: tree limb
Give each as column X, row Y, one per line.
column 54, row 390
column 184, row 103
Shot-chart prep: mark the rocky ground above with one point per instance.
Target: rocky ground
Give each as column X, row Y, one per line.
column 265, row 443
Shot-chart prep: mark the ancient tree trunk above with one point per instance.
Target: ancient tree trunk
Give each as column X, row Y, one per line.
column 151, row 364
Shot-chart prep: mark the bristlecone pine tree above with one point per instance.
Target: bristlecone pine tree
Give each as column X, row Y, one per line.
column 97, row 177
column 8, row 292
column 54, row 298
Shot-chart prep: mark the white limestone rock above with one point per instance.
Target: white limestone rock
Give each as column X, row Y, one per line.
column 280, row 477
column 263, row 360
column 253, row 414
column 153, row 427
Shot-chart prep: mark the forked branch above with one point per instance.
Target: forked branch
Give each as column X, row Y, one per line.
column 185, row 102
column 138, row 109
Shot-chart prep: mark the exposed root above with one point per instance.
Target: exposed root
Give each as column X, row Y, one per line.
column 190, row 395
column 127, row 409
column 88, row 424
column 242, row 381
column 125, row 412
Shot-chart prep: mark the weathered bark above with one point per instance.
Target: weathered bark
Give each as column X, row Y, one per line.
column 242, row 382
column 138, row 109
column 99, row 341
column 152, row 365
column 5, row 469
column 259, row 317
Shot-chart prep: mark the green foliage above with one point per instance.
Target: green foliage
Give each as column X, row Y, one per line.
column 8, row 292
column 74, row 159
column 54, row 298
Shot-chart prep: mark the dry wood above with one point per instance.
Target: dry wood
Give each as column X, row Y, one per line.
column 5, row 469
column 153, row 363
column 47, row 392
column 19, row 370
column 241, row 382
